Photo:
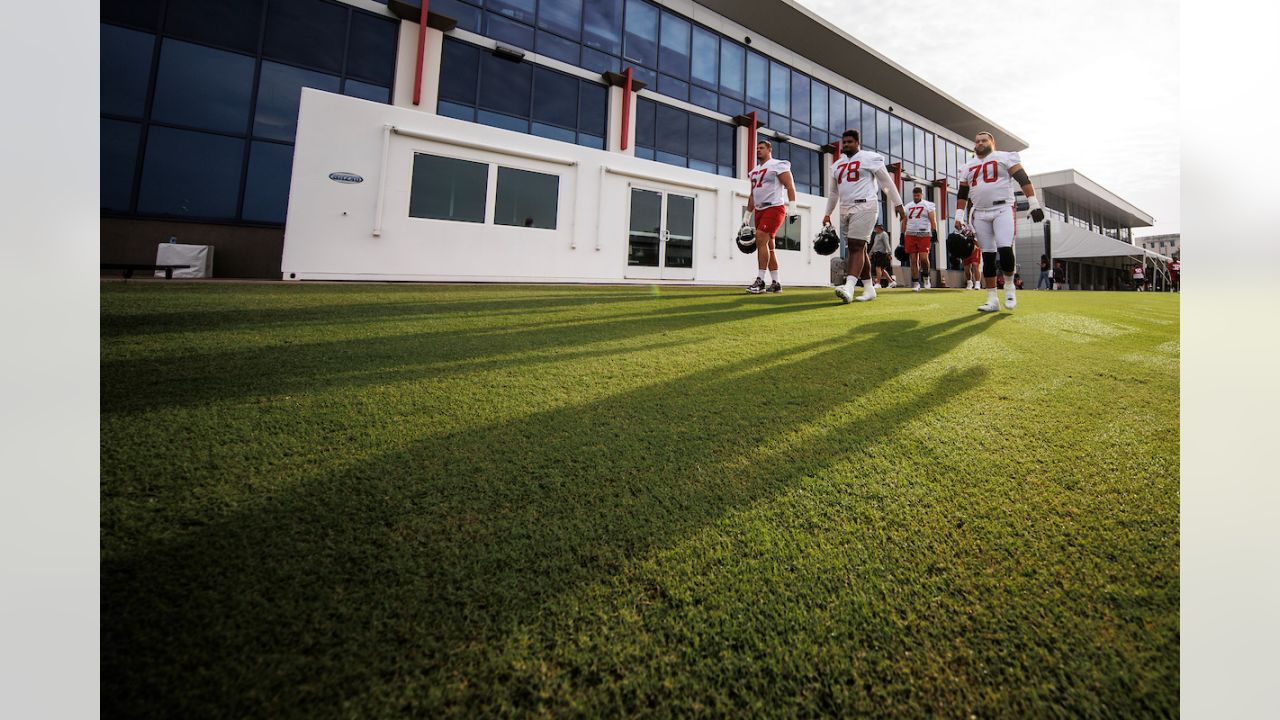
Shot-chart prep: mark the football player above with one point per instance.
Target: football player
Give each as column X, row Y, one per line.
column 773, row 197
column 919, row 228
column 986, row 181
column 853, row 186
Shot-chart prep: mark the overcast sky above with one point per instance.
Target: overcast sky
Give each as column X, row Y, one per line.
column 1089, row 84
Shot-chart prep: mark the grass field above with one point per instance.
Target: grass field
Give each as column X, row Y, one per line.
column 448, row 501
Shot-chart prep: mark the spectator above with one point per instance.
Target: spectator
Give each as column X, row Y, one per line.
column 1045, row 275
column 1139, row 277
column 1059, row 275
column 1175, row 269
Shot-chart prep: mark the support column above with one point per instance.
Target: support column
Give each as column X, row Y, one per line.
column 420, row 44
column 623, row 88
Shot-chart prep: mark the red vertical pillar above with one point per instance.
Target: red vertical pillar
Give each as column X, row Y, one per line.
column 422, row 48
column 626, row 107
column 751, row 141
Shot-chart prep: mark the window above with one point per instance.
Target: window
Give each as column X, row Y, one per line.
column 135, row 13
column 119, row 159
column 818, row 105
column 732, row 67
column 468, row 16
column 365, row 91
column 231, row 24
column 788, row 236
column 125, row 70
column 190, row 174
column 641, row 30
column 835, row 112
column 280, row 93
column 371, row 49
column 800, row 98
column 779, row 90
column 677, row 137
column 561, row 17
column 307, row 32
column 526, row 199
column 521, row 10
column 266, row 189
column 895, row 137
column 505, row 30
column 601, row 24
column 757, row 80
column 448, row 189
column 673, row 52
column 869, row 127
column 203, row 88
column 705, row 58
column 806, row 166
column 882, row 131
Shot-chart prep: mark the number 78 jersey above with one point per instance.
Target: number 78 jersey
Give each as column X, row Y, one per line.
column 988, row 178
column 855, row 176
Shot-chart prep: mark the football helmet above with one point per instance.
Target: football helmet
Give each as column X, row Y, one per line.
column 827, row 241
column 746, row 239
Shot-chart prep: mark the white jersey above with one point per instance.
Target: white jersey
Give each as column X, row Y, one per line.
column 766, row 189
column 988, row 179
column 918, row 217
column 855, row 177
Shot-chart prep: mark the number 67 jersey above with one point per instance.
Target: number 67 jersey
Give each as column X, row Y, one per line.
column 855, row 176
column 988, row 179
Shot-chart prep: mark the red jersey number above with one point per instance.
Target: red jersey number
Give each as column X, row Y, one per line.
column 988, row 171
column 852, row 171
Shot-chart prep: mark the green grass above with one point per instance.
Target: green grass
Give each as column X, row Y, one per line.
column 369, row 501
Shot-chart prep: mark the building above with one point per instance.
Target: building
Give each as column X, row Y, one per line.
column 570, row 140
column 1170, row 244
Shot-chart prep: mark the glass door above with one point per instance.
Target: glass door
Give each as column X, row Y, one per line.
column 660, row 235
column 677, row 254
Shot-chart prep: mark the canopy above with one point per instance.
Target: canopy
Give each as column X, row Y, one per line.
column 1074, row 243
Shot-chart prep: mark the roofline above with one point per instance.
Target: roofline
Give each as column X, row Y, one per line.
column 866, row 66
column 1093, row 188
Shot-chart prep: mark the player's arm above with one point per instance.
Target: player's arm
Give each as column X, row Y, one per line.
column 890, row 189
column 1020, row 176
column 933, row 221
column 790, row 184
column 962, row 201
column 833, row 198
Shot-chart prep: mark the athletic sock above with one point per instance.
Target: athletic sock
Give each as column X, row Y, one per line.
column 760, row 275
column 773, row 275
column 1008, row 283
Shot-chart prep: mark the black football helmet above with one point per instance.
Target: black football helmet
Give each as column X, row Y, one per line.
column 960, row 244
column 827, row 241
column 746, row 239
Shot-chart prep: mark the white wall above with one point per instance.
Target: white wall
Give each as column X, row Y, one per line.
column 329, row 230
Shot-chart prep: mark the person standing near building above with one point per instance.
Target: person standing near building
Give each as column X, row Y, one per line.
column 986, row 178
column 881, row 257
column 971, row 266
column 854, row 180
column 1175, row 269
column 919, row 228
column 1046, row 275
column 773, row 197
column 1059, row 275
column 1139, row 277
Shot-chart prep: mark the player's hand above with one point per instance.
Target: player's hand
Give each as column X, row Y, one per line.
column 933, row 235
column 826, row 219
column 901, row 213
column 959, row 225
column 1037, row 215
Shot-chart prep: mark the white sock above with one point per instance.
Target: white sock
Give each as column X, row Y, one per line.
column 991, row 295
column 1008, row 283
column 760, row 275
column 773, row 275
column 849, row 281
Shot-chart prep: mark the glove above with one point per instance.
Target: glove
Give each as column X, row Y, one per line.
column 933, row 234
column 791, row 210
column 1037, row 214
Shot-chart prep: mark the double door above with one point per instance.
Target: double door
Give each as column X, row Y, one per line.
column 660, row 235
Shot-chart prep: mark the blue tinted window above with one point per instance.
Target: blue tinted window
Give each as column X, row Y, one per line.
column 593, row 108
column 597, row 61
column 203, row 87
column 125, row 70
column 672, row 87
column 521, row 10
column 642, row 30
column 895, row 137
column 645, row 122
column 508, row 31
column 673, row 52
column 456, row 111
column 704, row 98
column 561, row 17
column 119, row 158
column 818, row 104
column 448, row 189
column 869, row 127
column 371, row 48
column 557, row 47
column 526, row 199
column 555, row 98
column 308, row 32
column 365, row 91
column 732, row 67
column 882, row 131
column 266, row 189
column 726, row 156
column 602, row 24
column 468, row 17
column 229, row 23
column 779, row 89
column 279, row 93
column 731, row 107
column 703, row 143
column 672, row 128
column 138, row 13
column 459, row 72
column 920, row 157
column 705, row 58
column 757, row 80
column 835, row 112
column 505, row 85
column 799, row 97
column 853, row 111
column 501, row 120
column 171, row 183
column 646, row 76
column 908, row 142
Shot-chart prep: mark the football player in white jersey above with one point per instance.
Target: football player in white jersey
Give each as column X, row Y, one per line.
column 773, row 197
column 986, row 181
column 856, row 181
column 919, row 228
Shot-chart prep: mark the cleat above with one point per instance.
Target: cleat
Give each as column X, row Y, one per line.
column 893, row 283
column 1010, row 300
column 915, row 287
column 868, row 293
column 756, row 287
column 988, row 307
column 928, row 285
column 774, row 288
column 842, row 292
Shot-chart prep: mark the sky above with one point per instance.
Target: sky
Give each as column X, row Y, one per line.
column 1088, row 84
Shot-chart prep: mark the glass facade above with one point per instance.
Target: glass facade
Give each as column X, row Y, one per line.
column 680, row 59
column 679, row 137
column 199, row 98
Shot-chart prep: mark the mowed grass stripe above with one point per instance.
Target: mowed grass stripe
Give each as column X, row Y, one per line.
column 462, row 501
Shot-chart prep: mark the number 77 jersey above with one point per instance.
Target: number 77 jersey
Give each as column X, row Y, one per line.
column 988, row 179
column 855, row 176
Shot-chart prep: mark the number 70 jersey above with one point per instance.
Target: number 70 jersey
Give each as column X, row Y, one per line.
column 855, row 176
column 988, row 178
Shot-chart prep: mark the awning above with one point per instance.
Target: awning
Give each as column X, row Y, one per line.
column 1074, row 243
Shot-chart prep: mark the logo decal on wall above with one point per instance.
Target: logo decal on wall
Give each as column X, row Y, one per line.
column 346, row 177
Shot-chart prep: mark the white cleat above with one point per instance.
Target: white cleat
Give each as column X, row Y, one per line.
column 915, row 287
column 1010, row 300
column 842, row 292
column 893, row 284
column 988, row 307
column 928, row 285
column 868, row 293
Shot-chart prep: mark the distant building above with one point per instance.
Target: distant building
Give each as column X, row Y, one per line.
column 1170, row 244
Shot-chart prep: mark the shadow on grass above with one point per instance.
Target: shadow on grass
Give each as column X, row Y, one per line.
column 407, row 570
column 199, row 379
